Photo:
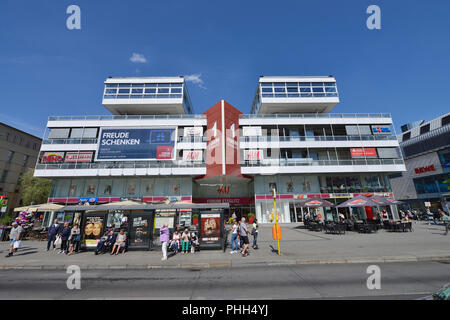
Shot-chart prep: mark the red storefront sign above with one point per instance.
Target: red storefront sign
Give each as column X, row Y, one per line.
column 164, row 152
column 425, row 169
column 232, row 201
column 78, row 157
column 53, row 157
column 363, row 152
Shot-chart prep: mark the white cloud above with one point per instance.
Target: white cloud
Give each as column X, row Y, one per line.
column 138, row 58
column 195, row 78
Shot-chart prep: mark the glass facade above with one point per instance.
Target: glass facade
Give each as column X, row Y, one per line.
column 298, row 89
column 433, row 184
column 143, row 91
column 135, row 187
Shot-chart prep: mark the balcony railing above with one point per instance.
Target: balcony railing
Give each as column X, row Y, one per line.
column 127, row 117
column 315, row 115
column 70, row 141
column 122, row 165
column 317, row 138
column 191, row 139
column 311, row 162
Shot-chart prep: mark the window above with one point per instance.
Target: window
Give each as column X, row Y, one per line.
column 111, row 90
column 90, row 133
column 76, row 133
column 124, row 90
column 163, row 90
column 445, row 120
column 425, row 129
column 317, row 89
column 280, row 89
column 267, row 89
column 175, row 90
column 3, row 177
column 25, row 160
column 137, row 90
column 150, row 90
column 10, row 156
column 59, row 133
column 406, row 136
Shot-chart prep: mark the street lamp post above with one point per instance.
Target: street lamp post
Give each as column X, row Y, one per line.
column 276, row 220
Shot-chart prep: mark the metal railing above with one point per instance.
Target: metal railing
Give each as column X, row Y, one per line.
column 317, row 138
column 127, row 117
column 311, row 162
column 122, row 165
column 69, row 141
column 315, row 115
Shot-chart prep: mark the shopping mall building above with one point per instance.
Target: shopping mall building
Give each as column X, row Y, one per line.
column 154, row 148
column 426, row 150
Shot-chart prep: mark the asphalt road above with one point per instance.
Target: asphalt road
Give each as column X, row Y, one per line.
column 398, row 281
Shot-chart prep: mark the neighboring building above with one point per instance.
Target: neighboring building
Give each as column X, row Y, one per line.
column 154, row 148
column 18, row 152
column 426, row 149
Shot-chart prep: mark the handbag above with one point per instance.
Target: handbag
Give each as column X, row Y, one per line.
column 17, row 244
column 58, row 241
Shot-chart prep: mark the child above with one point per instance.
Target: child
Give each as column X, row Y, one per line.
column 194, row 242
column 185, row 238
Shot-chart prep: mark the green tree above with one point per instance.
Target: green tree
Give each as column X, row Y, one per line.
column 34, row 189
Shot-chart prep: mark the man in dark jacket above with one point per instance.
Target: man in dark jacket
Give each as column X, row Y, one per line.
column 52, row 232
column 64, row 234
column 105, row 242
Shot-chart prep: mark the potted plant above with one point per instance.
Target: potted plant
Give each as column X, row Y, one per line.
column 195, row 219
column 251, row 218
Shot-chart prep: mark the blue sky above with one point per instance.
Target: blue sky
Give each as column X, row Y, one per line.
column 46, row 69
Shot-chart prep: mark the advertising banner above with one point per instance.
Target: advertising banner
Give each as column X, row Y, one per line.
column 78, row 157
column 253, row 155
column 92, row 231
column 192, row 155
column 52, row 157
column 141, row 229
column 210, row 228
column 136, row 144
column 361, row 153
column 193, row 132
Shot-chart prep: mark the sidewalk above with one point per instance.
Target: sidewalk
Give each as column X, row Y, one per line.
column 298, row 246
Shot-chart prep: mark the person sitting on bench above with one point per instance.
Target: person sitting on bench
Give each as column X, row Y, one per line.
column 105, row 242
column 120, row 242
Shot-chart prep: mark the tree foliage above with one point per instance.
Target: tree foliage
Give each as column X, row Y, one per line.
column 34, row 189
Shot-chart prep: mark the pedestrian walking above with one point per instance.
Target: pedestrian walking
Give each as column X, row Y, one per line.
column 429, row 216
column 164, row 237
column 64, row 234
column 234, row 237
column 74, row 238
column 243, row 233
column 14, row 237
column 255, row 228
column 53, row 231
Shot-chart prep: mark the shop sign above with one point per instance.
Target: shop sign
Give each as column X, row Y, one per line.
column 53, row 157
column 381, row 130
column 253, row 155
column 425, row 169
column 193, row 132
column 78, row 157
column 251, row 131
column 363, row 152
column 192, row 155
column 90, row 200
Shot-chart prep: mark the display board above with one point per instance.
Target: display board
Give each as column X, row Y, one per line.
column 211, row 230
column 92, row 231
column 136, row 144
column 141, row 230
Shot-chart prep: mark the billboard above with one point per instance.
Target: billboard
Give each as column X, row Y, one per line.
column 361, row 153
column 52, row 157
column 136, row 144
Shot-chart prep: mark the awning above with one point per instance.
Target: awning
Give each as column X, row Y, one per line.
column 49, row 207
column 359, row 201
column 26, row 208
column 385, row 201
column 315, row 203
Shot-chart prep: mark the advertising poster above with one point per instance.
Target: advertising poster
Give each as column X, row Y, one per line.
column 136, row 144
column 77, row 218
column 92, row 231
column 78, row 157
column 140, row 230
column 52, row 157
column 210, row 228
